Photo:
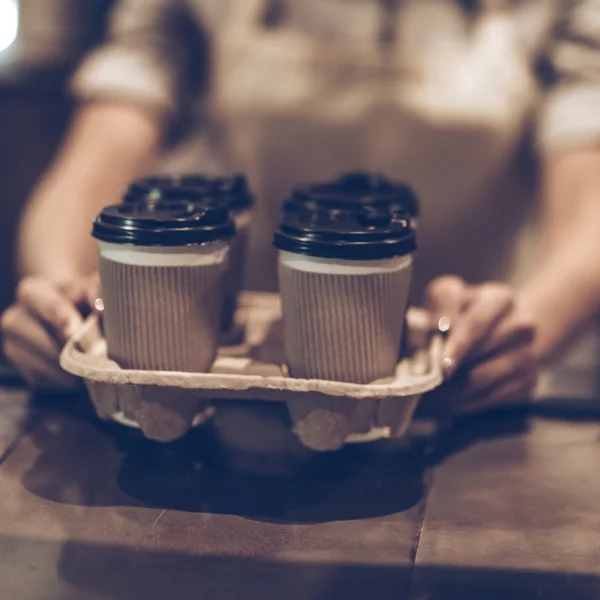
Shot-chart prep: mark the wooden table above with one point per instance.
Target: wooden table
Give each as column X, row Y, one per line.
column 504, row 506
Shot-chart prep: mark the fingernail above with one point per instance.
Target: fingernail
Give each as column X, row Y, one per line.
column 99, row 305
column 448, row 366
column 443, row 325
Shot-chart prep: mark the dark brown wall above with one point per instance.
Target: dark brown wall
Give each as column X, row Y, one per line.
column 31, row 124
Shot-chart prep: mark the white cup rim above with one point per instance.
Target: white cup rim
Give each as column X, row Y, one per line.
column 313, row 264
column 207, row 254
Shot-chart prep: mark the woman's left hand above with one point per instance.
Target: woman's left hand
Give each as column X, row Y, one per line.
column 490, row 357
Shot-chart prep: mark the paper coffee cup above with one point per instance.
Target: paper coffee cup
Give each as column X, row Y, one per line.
column 235, row 194
column 161, row 274
column 344, row 278
column 343, row 319
column 344, row 281
column 231, row 192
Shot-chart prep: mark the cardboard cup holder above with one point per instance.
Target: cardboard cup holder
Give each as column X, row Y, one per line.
column 324, row 415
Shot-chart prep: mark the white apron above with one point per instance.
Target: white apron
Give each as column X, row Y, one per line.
column 443, row 114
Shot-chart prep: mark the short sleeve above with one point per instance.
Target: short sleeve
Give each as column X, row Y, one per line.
column 570, row 113
column 155, row 55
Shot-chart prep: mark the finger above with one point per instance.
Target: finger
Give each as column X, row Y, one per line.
column 45, row 301
column 445, row 294
column 19, row 326
column 94, row 295
column 93, row 288
column 445, row 297
column 496, row 371
column 513, row 392
column 85, row 294
column 510, row 333
column 75, row 290
column 491, row 304
column 37, row 372
column 78, row 292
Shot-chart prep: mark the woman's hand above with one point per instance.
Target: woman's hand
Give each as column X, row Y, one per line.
column 489, row 357
column 35, row 328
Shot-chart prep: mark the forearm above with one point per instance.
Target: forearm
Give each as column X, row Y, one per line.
column 107, row 146
column 563, row 294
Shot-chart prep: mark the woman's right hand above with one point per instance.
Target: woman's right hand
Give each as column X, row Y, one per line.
column 35, row 328
column 490, row 358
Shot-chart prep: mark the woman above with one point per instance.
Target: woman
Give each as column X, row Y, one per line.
column 439, row 93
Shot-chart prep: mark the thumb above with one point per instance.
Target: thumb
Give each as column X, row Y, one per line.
column 446, row 298
column 83, row 292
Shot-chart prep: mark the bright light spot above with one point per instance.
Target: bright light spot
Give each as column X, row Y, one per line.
column 9, row 23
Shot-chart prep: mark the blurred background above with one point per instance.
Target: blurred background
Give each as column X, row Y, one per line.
column 40, row 42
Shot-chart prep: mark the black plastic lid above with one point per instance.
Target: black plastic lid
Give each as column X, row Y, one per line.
column 233, row 191
column 164, row 224
column 367, row 234
column 163, row 189
column 355, row 190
